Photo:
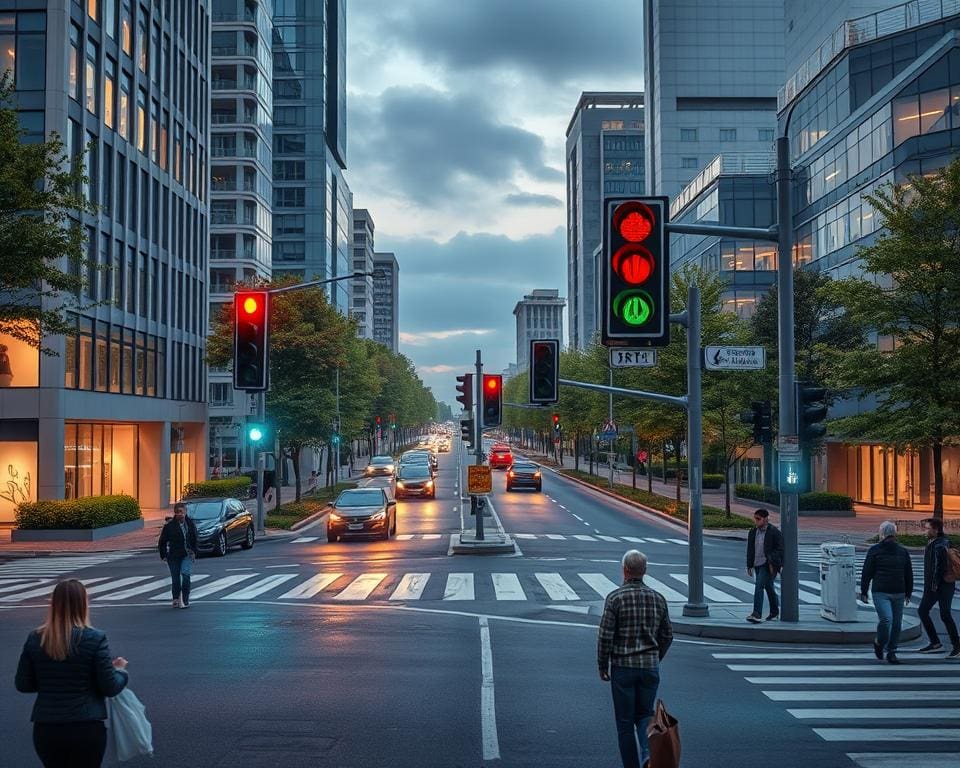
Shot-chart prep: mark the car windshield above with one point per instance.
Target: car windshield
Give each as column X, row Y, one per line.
column 418, row 459
column 204, row 510
column 381, row 460
column 360, row 498
column 523, row 466
column 414, row 472
column 501, row 450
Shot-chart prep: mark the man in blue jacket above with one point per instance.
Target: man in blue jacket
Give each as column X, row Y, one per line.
column 936, row 590
column 178, row 549
column 888, row 566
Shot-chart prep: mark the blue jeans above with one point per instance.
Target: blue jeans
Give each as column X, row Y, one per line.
column 634, row 693
column 890, row 614
column 180, row 570
column 763, row 584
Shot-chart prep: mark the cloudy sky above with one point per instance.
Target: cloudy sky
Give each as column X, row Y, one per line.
column 457, row 114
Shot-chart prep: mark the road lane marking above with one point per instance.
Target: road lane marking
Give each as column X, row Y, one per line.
column 655, row 541
column 711, row 593
column 459, row 587
column 152, row 586
column 669, row 593
column 506, row 586
column 404, row 536
column 634, row 539
column 361, row 587
column 311, row 586
column 583, row 537
column 44, row 590
column 799, row 655
column 829, row 668
column 556, row 537
column 259, row 587
column 214, row 586
column 431, row 536
column 576, row 516
column 607, row 538
column 890, row 734
column 600, row 583
column 524, row 535
column 23, row 584
column 937, row 680
column 885, row 696
column 878, row 713
column 561, row 506
column 111, row 585
column 556, row 588
column 681, row 542
column 411, row 586
column 488, row 709
column 304, row 539
column 896, row 759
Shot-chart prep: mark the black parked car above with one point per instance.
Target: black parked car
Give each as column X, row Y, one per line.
column 221, row 523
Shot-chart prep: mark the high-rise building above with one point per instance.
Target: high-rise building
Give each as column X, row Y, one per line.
column 312, row 203
column 361, row 297
column 386, row 300
column 539, row 316
column 121, row 407
column 241, row 194
column 711, row 76
column 605, row 155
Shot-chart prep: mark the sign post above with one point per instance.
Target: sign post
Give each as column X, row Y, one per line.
column 632, row 357
column 717, row 358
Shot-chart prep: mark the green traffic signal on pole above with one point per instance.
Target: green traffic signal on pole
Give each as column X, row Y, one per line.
column 255, row 433
column 633, row 307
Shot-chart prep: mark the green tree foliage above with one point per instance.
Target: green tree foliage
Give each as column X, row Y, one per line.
column 41, row 242
column 910, row 292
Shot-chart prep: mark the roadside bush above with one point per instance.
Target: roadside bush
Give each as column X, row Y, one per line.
column 825, row 501
column 84, row 513
column 712, row 482
column 757, row 492
column 235, row 487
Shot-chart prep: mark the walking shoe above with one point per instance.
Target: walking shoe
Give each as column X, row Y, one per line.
column 955, row 653
column 878, row 651
column 773, row 617
column 932, row 648
column 176, row 602
column 185, row 603
column 754, row 619
column 892, row 658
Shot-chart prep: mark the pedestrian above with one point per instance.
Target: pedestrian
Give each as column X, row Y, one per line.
column 888, row 567
column 67, row 663
column 178, row 548
column 765, row 556
column 635, row 633
column 936, row 589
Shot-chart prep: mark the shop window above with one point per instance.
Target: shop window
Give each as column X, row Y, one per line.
column 18, row 475
column 19, row 364
column 100, row 459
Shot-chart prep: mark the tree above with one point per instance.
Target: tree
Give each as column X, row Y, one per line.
column 910, row 293
column 40, row 204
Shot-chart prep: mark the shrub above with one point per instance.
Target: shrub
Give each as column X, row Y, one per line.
column 757, row 492
column 712, row 481
column 84, row 513
column 826, row 501
column 235, row 487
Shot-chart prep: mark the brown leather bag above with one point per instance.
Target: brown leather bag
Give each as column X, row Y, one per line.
column 663, row 734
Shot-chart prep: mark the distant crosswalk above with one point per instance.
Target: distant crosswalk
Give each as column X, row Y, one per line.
column 869, row 707
column 590, row 537
column 345, row 586
column 58, row 566
column 809, row 554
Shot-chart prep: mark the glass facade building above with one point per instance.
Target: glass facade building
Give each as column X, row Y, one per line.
column 386, row 300
column 361, row 296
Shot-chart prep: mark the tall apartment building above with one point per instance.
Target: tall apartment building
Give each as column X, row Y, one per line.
column 241, row 194
column 386, row 300
column 121, row 407
column 539, row 316
column 361, row 297
column 711, row 76
column 605, row 155
column 312, row 218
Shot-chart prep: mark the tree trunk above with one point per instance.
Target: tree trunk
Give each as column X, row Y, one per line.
column 576, row 451
column 676, row 452
column 278, row 478
column 938, row 477
column 296, row 472
column 664, row 455
column 726, row 486
column 328, row 479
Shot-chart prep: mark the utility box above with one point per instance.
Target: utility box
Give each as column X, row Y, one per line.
column 838, row 581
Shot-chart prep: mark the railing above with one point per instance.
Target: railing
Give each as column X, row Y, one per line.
column 219, row 118
column 222, row 287
column 729, row 164
column 233, row 152
column 246, row 15
column 856, row 31
column 224, row 85
column 232, row 186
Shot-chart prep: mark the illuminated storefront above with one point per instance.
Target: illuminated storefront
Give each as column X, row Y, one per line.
column 100, row 459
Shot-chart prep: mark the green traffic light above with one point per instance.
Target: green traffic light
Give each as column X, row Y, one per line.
column 633, row 307
column 255, row 434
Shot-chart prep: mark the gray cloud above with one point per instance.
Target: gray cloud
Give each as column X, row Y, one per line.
column 531, row 200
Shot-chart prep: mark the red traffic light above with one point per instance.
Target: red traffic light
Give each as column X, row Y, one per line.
column 556, row 419
column 378, row 419
column 492, row 383
column 633, row 263
column 634, row 221
column 250, row 305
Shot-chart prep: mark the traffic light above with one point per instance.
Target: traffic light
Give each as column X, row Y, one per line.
column 393, row 421
column 466, row 431
column 544, row 371
column 811, row 411
column 556, row 422
column 256, row 433
column 761, row 418
column 465, row 388
column 636, row 274
column 250, row 367
column 492, row 400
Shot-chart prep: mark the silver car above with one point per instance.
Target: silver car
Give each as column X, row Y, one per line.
column 362, row 512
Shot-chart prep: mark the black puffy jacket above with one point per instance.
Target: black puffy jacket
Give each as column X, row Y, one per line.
column 71, row 690
column 888, row 566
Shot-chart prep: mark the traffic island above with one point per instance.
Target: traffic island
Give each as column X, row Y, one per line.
column 729, row 622
column 492, row 543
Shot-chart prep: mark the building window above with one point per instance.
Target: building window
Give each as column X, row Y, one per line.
column 91, row 77
column 126, row 31
column 142, row 46
column 688, row 162
column 289, row 197
column 289, row 251
column 109, row 82
column 688, row 134
column 142, row 121
column 611, row 125
column 92, row 11
column 74, row 63
column 125, row 106
column 728, row 134
column 100, row 459
column 765, row 134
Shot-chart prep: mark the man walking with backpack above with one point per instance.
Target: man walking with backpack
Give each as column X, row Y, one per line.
column 939, row 578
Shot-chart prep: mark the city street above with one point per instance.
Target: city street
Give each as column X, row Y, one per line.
column 363, row 653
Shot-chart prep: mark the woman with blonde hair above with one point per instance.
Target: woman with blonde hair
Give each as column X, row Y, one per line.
column 67, row 663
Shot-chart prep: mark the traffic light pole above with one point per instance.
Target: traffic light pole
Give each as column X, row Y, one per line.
column 261, row 462
column 478, row 442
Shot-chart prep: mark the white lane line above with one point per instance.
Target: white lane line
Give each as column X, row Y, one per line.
column 214, row 586
column 111, row 585
column 287, row 565
column 403, row 536
column 745, row 586
column 152, row 586
column 937, row 680
column 259, row 587
column 634, row 539
column 811, row 584
column 431, row 536
column 21, row 585
column 608, row 538
column 44, row 590
column 459, row 587
column 361, row 587
column 411, row 586
column 506, row 586
column 655, row 541
column 556, row 537
column 311, row 586
column 711, row 593
column 896, row 759
column 488, row 709
column 681, row 542
column 828, row 667
column 669, row 593
column 890, row 734
column 584, row 537
column 561, row 506
column 304, row 539
column 600, row 583
column 928, row 696
column 556, row 588
column 585, row 523
column 877, row 713
column 577, row 516
column 524, row 535
column 798, row 655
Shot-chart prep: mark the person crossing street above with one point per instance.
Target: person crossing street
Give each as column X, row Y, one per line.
column 178, row 549
column 937, row 590
column 765, row 556
column 888, row 567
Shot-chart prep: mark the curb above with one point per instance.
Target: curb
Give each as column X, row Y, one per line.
column 311, row 519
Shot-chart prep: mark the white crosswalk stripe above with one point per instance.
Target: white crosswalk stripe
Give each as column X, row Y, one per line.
column 43, row 591
column 259, row 587
column 599, row 582
column 18, row 584
column 58, row 566
column 669, row 593
column 361, row 587
column 311, row 586
column 711, row 593
column 555, row 587
column 151, row 586
column 459, row 587
column 571, row 537
column 411, row 586
column 507, row 586
column 212, row 588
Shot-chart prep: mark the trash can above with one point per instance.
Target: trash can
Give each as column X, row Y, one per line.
column 838, row 581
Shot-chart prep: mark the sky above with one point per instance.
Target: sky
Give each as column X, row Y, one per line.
column 457, row 113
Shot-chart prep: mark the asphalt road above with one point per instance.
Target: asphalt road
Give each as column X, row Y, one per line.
column 363, row 653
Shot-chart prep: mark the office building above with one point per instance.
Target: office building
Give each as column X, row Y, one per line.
column 120, row 409
column 386, row 300
column 241, row 195
column 361, row 297
column 539, row 316
column 711, row 74
column 605, row 156
column 809, row 25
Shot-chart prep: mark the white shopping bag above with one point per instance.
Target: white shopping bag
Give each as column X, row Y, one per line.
column 129, row 732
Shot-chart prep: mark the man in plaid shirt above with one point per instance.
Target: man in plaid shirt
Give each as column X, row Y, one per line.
column 635, row 633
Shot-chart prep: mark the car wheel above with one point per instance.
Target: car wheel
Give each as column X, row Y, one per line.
column 539, row 487
column 509, row 488
column 248, row 539
column 221, row 548
column 394, row 530
column 331, row 538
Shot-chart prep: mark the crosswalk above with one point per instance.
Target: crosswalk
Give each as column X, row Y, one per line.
column 809, row 554
column 589, row 537
column 344, row 586
column 868, row 707
column 58, row 566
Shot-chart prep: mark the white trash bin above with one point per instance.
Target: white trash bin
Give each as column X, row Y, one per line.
column 838, row 581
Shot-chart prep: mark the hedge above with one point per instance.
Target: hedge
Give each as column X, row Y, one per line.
column 84, row 513
column 231, row 487
column 293, row 512
column 757, row 492
column 815, row 500
column 712, row 481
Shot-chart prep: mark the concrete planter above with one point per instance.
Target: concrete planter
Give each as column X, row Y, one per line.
column 827, row 513
column 75, row 534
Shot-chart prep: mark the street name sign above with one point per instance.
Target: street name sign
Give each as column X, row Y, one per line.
column 632, row 357
column 788, row 446
column 735, row 358
column 479, row 479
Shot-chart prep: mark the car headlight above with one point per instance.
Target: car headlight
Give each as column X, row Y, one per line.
column 537, row 473
column 334, row 517
column 379, row 516
column 400, row 484
column 429, row 483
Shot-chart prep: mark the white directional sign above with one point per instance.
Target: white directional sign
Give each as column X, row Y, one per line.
column 631, row 357
column 735, row 358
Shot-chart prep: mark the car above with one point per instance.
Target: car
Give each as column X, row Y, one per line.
column 501, row 457
column 415, row 480
column 380, row 466
column 364, row 512
column 221, row 523
column 524, row 474
column 415, row 456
